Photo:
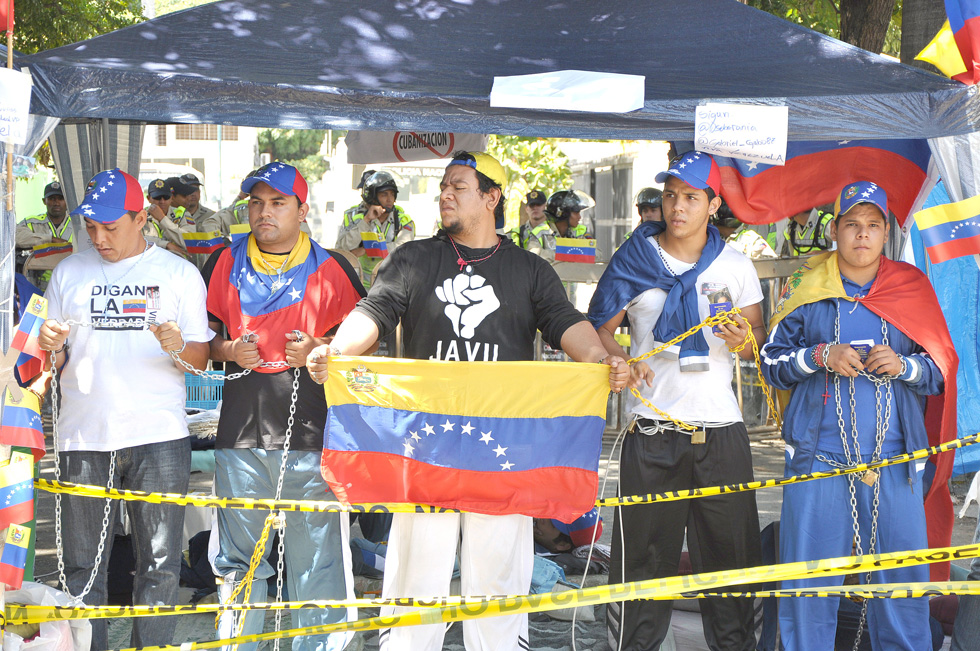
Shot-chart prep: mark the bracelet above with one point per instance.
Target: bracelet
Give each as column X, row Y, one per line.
column 824, row 354
column 603, row 360
column 334, row 351
column 816, row 355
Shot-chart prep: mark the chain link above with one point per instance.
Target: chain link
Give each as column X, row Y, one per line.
column 882, row 386
column 59, row 547
column 282, row 514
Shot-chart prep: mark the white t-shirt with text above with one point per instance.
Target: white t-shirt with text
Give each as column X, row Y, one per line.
column 119, row 389
column 705, row 397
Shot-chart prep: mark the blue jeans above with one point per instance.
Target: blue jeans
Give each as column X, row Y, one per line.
column 966, row 630
column 156, row 529
column 317, row 555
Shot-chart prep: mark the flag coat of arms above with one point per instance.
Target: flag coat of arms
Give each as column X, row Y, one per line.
column 31, row 358
column 20, row 423
column 203, row 242
column 466, row 435
column 13, row 558
column 950, row 230
column 374, row 245
column 571, row 249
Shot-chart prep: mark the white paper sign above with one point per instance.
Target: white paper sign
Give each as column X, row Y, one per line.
column 15, row 106
column 370, row 147
column 755, row 133
column 570, row 90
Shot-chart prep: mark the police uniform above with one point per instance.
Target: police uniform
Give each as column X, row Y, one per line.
column 539, row 239
column 813, row 237
column 579, row 232
column 397, row 229
column 224, row 219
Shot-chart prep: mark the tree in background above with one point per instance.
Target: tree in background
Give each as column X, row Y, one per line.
column 530, row 163
column 299, row 148
column 45, row 24
column 873, row 25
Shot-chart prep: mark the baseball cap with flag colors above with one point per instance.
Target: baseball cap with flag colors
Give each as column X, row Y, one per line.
column 485, row 164
column 861, row 192
column 109, row 196
column 282, row 177
column 696, row 169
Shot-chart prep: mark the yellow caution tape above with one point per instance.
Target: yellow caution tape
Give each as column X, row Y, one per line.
column 648, row 589
column 673, row 496
column 323, row 506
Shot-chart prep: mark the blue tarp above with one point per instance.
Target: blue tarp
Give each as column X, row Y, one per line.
column 429, row 65
column 957, row 285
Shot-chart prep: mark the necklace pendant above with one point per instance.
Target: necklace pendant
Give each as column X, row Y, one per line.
column 869, row 478
column 469, row 270
column 461, row 262
column 275, row 286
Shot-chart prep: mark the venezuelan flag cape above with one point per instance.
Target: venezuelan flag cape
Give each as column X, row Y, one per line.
column 904, row 297
column 816, row 171
column 311, row 294
column 466, row 435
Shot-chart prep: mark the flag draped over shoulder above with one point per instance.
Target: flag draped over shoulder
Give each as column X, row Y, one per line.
column 950, row 230
column 309, row 291
column 903, row 296
column 815, row 172
column 31, row 358
column 20, row 423
column 466, row 435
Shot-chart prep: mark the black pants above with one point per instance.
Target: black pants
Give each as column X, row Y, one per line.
column 722, row 533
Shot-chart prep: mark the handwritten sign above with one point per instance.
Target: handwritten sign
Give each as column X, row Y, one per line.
column 15, row 106
column 755, row 133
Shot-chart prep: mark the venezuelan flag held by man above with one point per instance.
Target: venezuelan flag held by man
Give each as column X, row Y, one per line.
column 466, row 435
column 861, row 341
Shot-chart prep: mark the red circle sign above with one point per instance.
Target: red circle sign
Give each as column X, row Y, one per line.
column 407, row 141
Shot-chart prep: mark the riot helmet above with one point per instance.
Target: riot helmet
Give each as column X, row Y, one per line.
column 649, row 197
column 376, row 183
column 564, row 202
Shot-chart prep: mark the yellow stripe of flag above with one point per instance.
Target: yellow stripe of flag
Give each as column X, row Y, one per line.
column 943, row 53
column 501, row 389
column 948, row 212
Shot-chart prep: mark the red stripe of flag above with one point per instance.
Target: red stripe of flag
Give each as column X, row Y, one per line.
column 954, row 249
column 6, row 15
column 552, row 492
column 574, row 257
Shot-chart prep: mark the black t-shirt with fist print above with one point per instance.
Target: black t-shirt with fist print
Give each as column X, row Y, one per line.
column 488, row 311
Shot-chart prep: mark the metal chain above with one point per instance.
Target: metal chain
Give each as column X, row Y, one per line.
column 281, row 520
column 55, row 414
column 882, row 384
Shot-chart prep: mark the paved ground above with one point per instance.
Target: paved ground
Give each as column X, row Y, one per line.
column 547, row 634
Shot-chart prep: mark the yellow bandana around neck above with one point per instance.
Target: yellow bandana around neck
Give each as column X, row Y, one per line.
column 296, row 257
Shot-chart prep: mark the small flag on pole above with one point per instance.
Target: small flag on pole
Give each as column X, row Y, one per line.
column 20, row 423
column 374, row 246
column 203, row 242
column 6, row 16
column 17, row 490
column 238, row 231
column 570, row 249
column 951, row 230
column 31, row 358
column 13, row 558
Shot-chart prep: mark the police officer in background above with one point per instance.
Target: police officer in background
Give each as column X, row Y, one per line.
column 535, row 235
column 159, row 229
column 360, row 207
column 235, row 214
column 52, row 226
column 382, row 217
column 807, row 232
column 564, row 210
column 187, row 198
column 648, row 205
